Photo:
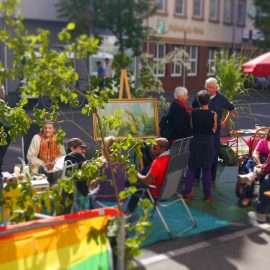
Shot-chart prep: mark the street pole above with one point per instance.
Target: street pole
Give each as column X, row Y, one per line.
column 184, row 65
column 234, row 10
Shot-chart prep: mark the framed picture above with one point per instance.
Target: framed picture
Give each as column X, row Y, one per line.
column 119, row 118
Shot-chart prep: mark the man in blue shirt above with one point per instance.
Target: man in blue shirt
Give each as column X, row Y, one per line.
column 219, row 104
column 100, row 70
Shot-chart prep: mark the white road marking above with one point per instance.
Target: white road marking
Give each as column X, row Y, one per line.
column 201, row 245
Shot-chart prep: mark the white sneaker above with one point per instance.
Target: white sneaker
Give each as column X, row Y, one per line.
column 247, row 179
column 256, row 218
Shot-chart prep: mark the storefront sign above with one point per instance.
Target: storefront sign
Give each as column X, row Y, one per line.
column 186, row 29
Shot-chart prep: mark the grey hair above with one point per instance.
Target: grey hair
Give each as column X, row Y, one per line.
column 211, row 80
column 180, row 91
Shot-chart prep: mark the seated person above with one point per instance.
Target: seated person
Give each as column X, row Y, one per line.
column 158, row 168
column 76, row 151
column 105, row 187
column 260, row 155
column 259, row 170
column 156, row 174
column 44, row 149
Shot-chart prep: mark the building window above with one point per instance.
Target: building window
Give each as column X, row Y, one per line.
column 198, row 8
column 176, row 65
column 159, row 65
column 180, row 7
column 241, row 12
column 211, row 61
column 228, row 4
column 214, row 10
column 193, row 60
column 161, row 5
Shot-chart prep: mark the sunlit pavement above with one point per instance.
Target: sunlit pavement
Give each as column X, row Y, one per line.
column 231, row 249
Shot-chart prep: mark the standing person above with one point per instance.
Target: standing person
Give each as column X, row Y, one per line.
column 100, row 70
column 3, row 148
column 179, row 115
column 204, row 124
column 218, row 103
column 44, row 149
column 108, row 68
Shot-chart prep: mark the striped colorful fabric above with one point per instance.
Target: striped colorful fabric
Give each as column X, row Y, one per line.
column 75, row 242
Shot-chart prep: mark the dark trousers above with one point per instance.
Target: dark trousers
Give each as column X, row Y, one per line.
column 132, row 202
column 206, row 180
column 263, row 203
column 215, row 158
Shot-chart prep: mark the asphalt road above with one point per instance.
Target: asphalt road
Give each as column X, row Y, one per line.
column 242, row 248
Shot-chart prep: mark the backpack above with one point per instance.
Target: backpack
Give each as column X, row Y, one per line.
column 164, row 127
column 228, row 155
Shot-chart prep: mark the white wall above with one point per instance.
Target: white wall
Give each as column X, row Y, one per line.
column 39, row 9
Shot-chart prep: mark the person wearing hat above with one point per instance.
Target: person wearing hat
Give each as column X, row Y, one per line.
column 76, row 155
column 76, row 151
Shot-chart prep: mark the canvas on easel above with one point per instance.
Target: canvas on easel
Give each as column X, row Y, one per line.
column 136, row 116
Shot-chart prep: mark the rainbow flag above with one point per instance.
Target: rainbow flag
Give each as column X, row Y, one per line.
column 74, row 242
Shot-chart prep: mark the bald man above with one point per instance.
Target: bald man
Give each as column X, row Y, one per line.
column 155, row 176
column 159, row 166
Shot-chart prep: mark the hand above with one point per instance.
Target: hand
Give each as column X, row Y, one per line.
column 223, row 124
column 232, row 113
column 49, row 165
column 93, row 184
column 258, row 170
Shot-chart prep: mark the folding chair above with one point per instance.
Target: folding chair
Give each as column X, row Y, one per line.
column 169, row 192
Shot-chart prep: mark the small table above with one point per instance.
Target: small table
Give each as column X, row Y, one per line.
column 240, row 134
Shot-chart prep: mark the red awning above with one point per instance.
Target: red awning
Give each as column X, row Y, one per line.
column 259, row 66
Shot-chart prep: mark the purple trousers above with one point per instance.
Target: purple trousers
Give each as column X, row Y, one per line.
column 206, row 180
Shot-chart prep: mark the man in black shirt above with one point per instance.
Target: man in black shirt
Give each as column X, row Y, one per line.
column 219, row 104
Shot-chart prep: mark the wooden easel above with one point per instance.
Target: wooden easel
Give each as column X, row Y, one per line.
column 124, row 85
column 125, row 89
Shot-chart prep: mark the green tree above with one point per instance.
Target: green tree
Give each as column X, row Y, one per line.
column 262, row 22
column 51, row 73
column 80, row 12
column 124, row 18
column 229, row 74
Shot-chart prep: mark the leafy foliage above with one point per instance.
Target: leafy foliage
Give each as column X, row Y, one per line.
column 124, row 18
column 262, row 21
column 50, row 73
column 80, row 12
column 229, row 74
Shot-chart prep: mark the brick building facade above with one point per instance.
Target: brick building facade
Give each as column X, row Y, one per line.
column 200, row 27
